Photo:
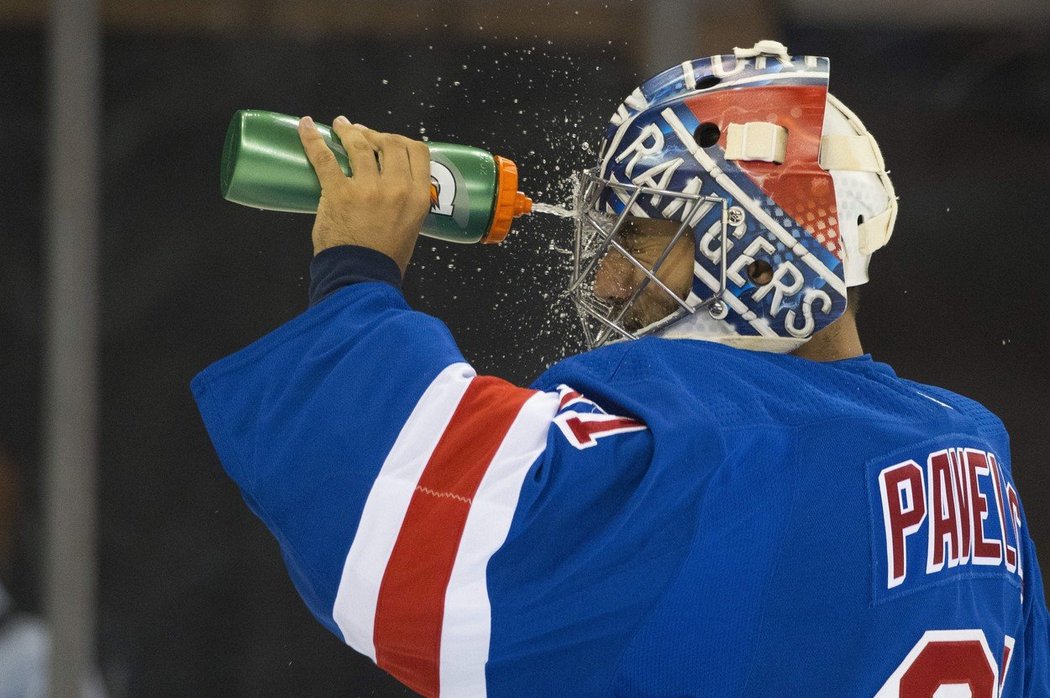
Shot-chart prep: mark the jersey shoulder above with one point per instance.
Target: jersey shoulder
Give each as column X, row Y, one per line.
column 985, row 422
column 751, row 387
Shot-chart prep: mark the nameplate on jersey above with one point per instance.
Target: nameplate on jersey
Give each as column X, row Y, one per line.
column 941, row 511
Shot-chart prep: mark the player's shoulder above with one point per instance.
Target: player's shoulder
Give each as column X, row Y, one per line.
column 754, row 387
column 659, row 364
column 740, row 387
column 957, row 401
column 986, row 423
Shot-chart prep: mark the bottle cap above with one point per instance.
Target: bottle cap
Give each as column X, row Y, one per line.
column 510, row 203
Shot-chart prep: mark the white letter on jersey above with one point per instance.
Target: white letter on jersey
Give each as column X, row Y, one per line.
column 985, row 551
column 944, row 513
column 903, row 511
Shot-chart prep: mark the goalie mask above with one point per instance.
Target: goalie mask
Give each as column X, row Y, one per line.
column 779, row 187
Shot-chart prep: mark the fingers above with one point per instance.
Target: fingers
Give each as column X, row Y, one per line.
column 405, row 155
column 412, row 160
column 319, row 154
column 384, row 203
column 361, row 150
column 399, row 165
column 395, row 158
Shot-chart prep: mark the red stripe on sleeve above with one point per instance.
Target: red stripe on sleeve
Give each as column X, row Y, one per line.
column 586, row 432
column 568, row 397
column 411, row 602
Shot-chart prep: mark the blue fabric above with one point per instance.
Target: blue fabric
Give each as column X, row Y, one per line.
column 305, row 441
column 343, row 265
column 735, row 547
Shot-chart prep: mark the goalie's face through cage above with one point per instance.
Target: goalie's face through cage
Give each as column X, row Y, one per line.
column 643, row 248
column 645, row 242
column 620, row 274
column 632, row 275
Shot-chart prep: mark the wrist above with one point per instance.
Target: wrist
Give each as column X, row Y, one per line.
column 343, row 265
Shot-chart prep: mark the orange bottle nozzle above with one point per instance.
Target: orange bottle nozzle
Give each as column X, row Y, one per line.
column 510, row 203
column 522, row 205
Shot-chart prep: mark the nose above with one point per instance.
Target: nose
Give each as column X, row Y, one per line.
column 612, row 279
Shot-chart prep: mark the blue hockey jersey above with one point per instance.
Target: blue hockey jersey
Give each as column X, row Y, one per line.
column 654, row 518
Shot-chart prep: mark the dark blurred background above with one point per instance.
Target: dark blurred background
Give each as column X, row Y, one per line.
column 191, row 595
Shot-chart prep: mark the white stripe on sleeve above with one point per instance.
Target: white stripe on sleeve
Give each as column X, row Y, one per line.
column 354, row 610
column 467, row 624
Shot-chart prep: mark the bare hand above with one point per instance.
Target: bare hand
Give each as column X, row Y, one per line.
column 383, row 204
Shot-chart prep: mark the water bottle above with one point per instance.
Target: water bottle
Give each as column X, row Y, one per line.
column 474, row 195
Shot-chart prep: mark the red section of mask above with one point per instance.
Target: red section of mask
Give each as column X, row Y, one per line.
column 799, row 186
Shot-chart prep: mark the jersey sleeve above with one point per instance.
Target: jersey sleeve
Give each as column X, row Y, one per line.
column 391, row 474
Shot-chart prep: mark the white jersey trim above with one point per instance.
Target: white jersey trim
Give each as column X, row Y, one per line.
column 466, row 629
column 354, row 610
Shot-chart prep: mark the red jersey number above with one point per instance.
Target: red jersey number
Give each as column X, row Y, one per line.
column 949, row 663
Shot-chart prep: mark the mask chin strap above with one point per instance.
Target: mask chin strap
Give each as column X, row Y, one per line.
column 860, row 153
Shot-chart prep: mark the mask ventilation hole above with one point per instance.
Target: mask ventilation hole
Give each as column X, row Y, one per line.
column 708, row 82
column 707, row 134
column 760, row 272
column 860, row 220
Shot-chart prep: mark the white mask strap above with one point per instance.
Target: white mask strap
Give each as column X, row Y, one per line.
column 758, row 141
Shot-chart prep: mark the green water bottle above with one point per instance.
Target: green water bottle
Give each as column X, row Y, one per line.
column 474, row 195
